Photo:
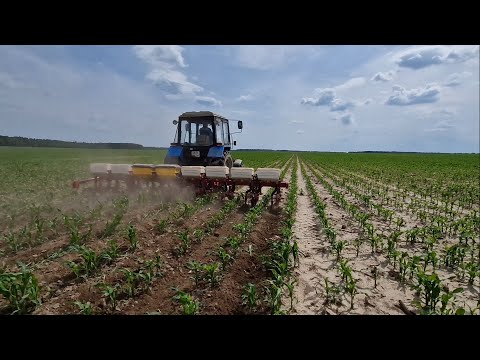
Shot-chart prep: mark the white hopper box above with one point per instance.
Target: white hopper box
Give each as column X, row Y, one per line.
column 123, row 169
column 216, row 172
column 241, row 173
column 100, row 168
column 193, row 171
column 269, row 174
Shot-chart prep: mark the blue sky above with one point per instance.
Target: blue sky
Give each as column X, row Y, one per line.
column 325, row 98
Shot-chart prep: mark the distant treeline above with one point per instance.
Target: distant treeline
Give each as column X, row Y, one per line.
column 28, row 142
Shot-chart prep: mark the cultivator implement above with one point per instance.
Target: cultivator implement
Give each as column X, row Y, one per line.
column 202, row 179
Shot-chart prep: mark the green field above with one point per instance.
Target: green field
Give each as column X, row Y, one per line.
column 364, row 232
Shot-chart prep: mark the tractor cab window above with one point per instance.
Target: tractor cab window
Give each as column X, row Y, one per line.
column 219, row 131
column 197, row 133
column 189, row 133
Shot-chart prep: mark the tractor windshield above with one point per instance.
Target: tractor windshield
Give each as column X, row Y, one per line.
column 196, row 132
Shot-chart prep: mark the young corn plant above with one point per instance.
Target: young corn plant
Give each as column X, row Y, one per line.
column 351, row 289
column 111, row 294
column 274, row 297
column 249, row 296
column 429, row 285
column 197, row 270
column 225, row 257
column 332, row 293
column 20, row 289
column 91, row 260
column 130, row 281
column 111, row 254
column 338, row 247
column 185, row 245
column 161, row 226
column 85, row 308
column 211, row 273
column 291, row 287
column 357, row 242
column 198, row 235
column 189, row 304
column 132, row 237
column 234, row 243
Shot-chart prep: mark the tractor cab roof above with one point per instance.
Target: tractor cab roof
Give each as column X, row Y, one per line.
column 198, row 114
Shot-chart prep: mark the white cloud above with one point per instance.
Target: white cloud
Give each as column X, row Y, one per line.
column 403, row 97
column 300, row 132
column 419, row 57
column 159, row 55
column 208, row 101
column 297, row 121
column 454, row 79
column 324, row 97
column 382, row 77
column 164, row 61
column 247, row 97
column 352, row 83
column 341, row 105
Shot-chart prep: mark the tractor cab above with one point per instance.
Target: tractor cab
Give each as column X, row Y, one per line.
column 202, row 138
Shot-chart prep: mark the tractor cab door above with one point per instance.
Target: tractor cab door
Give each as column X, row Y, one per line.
column 222, row 132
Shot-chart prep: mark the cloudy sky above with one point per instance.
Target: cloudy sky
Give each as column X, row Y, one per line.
column 326, row 98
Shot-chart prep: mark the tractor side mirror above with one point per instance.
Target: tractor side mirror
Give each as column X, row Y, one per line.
column 240, row 125
column 175, row 122
column 234, row 142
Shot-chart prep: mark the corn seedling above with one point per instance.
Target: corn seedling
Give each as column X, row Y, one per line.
column 249, row 296
column 357, row 242
column 473, row 270
column 197, row 269
column 274, row 297
column 130, row 280
column 111, row 254
column 338, row 246
column 211, row 273
column 351, row 289
column 198, row 235
column 20, row 289
column 225, row 257
column 85, row 308
column 161, row 226
column 290, row 287
column 189, row 305
column 429, row 285
column 132, row 237
column 111, row 294
column 332, row 293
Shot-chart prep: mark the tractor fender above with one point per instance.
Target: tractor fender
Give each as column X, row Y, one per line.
column 174, row 155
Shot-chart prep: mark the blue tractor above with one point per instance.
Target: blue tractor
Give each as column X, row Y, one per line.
column 202, row 138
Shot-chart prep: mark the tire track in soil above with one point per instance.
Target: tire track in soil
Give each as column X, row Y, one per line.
column 316, row 262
